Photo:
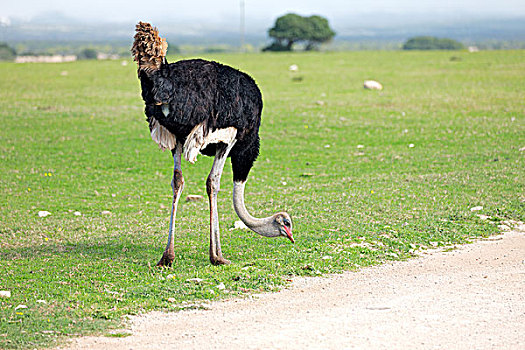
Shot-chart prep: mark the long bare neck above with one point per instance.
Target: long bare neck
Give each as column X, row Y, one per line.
column 263, row 226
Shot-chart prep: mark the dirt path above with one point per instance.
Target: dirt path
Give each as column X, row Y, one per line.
column 469, row 298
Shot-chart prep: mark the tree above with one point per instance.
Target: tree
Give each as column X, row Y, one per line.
column 432, row 43
column 318, row 32
column 292, row 28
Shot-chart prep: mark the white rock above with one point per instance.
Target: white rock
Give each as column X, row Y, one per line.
column 43, row 213
column 77, row 213
column 195, row 280
column 106, row 212
column 478, row 208
column 411, row 145
column 372, row 85
column 293, row 68
column 5, row 294
column 360, row 146
column 41, row 301
column 240, row 225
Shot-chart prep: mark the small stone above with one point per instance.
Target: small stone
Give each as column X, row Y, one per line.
column 121, row 332
column 195, row 280
column 194, row 198
column 326, row 257
column 5, row 294
column 478, row 208
column 43, row 213
column 106, row 212
column 41, row 301
column 293, row 68
column 77, row 213
column 21, row 306
column 171, row 300
column 360, row 146
column 411, row 145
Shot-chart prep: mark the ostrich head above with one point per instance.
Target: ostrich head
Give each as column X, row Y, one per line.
column 282, row 223
column 279, row 224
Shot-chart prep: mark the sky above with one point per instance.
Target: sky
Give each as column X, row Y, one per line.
column 227, row 10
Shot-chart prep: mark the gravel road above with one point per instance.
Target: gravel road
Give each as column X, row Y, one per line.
column 469, row 298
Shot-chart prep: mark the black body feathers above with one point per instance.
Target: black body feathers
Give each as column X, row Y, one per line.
column 186, row 93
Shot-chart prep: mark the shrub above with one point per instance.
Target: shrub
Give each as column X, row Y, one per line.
column 7, row 53
column 432, row 43
column 88, row 54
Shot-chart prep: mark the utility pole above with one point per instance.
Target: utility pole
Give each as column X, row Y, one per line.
column 242, row 25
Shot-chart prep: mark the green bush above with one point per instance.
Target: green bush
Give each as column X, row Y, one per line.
column 88, row 54
column 7, row 53
column 432, row 43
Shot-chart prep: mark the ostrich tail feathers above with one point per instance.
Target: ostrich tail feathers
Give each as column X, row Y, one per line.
column 149, row 49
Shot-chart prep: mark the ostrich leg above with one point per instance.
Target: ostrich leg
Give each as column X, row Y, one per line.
column 177, row 184
column 212, row 187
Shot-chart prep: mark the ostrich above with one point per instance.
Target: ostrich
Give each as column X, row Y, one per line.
column 197, row 106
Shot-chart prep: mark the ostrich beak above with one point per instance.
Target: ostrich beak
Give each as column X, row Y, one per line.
column 289, row 234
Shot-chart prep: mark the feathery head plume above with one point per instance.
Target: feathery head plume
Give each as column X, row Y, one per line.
column 148, row 49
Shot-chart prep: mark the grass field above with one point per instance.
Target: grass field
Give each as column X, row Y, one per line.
column 367, row 176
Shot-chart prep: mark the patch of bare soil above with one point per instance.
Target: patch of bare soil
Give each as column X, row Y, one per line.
column 469, row 298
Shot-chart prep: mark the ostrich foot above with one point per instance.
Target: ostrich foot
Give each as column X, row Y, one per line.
column 167, row 258
column 219, row 260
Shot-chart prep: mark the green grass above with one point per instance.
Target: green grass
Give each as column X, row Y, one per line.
column 79, row 142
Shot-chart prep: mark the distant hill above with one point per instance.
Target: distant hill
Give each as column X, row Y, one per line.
column 376, row 28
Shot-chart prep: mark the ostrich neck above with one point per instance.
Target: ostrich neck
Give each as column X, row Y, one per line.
column 262, row 226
